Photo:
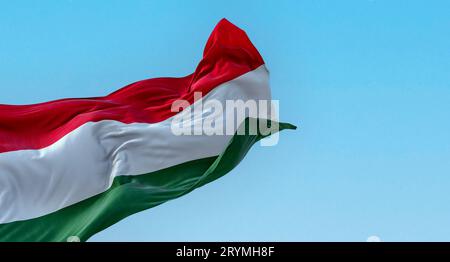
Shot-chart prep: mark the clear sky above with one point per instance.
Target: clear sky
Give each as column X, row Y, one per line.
column 366, row 81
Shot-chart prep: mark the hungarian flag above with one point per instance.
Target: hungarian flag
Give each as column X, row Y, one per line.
column 70, row 168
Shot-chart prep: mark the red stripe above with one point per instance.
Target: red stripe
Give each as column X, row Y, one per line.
column 227, row 55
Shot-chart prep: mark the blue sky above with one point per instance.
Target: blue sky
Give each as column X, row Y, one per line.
column 366, row 81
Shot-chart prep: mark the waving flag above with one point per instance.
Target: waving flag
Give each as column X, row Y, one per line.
column 72, row 167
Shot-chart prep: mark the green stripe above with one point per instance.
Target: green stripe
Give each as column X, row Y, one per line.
column 129, row 195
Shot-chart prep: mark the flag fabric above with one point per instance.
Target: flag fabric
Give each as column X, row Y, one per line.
column 70, row 168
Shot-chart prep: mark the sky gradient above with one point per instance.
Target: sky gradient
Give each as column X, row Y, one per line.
column 366, row 81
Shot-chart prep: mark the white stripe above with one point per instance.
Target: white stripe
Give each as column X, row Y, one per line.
column 84, row 163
